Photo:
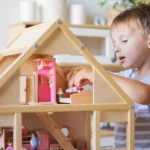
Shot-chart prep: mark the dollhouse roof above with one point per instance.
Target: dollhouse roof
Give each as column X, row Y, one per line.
column 55, row 39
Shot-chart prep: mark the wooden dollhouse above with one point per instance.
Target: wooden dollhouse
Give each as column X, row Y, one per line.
column 29, row 75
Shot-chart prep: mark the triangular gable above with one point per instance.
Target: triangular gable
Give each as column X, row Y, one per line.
column 53, row 39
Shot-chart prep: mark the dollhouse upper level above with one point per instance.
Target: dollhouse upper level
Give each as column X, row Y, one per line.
column 30, row 54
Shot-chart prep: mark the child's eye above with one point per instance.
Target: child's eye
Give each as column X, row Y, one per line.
column 125, row 41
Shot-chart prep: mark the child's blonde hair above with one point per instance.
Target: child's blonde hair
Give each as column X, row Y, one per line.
column 134, row 17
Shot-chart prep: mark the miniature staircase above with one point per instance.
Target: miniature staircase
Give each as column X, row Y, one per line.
column 54, row 129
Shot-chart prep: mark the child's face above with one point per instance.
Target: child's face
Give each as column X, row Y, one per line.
column 130, row 46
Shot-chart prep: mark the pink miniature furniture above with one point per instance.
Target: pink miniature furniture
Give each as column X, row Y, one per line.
column 46, row 70
column 44, row 137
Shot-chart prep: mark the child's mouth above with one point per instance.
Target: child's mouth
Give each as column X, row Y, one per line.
column 122, row 59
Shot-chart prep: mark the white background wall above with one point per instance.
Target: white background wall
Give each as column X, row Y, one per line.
column 9, row 14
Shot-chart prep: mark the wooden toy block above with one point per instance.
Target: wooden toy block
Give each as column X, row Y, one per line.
column 84, row 97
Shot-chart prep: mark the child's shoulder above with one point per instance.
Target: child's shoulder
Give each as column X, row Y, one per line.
column 127, row 73
column 133, row 74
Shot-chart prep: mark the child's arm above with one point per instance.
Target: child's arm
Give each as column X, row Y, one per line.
column 137, row 91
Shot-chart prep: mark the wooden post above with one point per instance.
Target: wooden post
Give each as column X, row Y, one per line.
column 88, row 130
column 130, row 130
column 17, row 131
column 95, row 131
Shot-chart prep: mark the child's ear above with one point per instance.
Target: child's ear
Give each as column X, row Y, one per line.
column 148, row 41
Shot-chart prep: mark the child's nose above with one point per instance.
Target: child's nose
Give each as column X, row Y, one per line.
column 117, row 49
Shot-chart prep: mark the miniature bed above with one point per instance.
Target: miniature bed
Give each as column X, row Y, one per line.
column 26, row 65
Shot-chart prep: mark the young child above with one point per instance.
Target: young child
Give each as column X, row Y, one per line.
column 130, row 32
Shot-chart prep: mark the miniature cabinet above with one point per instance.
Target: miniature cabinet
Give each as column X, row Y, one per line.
column 27, row 89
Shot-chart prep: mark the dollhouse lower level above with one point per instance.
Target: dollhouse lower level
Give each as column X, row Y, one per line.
column 82, row 130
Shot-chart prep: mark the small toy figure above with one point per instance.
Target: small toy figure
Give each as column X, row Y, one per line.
column 10, row 144
column 60, row 93
column 35, row 142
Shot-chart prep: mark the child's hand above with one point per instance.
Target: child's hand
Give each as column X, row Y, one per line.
column 70, row 74
column 79, row 76
column 83, row 77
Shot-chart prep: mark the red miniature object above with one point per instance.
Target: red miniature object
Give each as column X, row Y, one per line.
column 46, row 70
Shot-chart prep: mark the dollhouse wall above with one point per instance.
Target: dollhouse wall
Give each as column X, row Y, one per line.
column 56, row 45
column 101, row 88
column 9, row 92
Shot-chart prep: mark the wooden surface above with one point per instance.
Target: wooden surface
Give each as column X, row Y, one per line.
column 7, row 61
column 88, row 26
column 69, row 25
column 114, row 116
column 103, row 91
column 82, row 98
column 17, row 135
column 9, row 93
column 95, row 144
column 131, row 130
column 61, row 108
column 26, row 23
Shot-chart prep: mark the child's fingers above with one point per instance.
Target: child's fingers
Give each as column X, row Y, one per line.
column 77, row 80
column 84, row 82
column 66, row 70
column 80, row 81
column 69, row 75
column 70, row 84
